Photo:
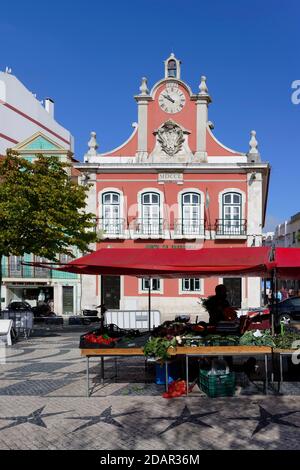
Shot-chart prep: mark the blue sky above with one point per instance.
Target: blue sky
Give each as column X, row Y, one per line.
column 89, row 56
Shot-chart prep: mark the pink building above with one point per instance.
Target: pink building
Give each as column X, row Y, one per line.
column 173, row 184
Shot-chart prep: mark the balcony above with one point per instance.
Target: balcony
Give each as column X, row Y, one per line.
column 231, row 228
column 148, row 228
column 189, row 228
column 29, row 272
column 15, row 271
column 112, row 228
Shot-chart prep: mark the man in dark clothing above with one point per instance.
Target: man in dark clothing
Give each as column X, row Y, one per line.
column 216, row 304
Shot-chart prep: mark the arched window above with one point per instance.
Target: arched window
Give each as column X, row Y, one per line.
column 172, row 68
column 232, row 213
column 111, row 212
column 190, row 212
column 150, row 223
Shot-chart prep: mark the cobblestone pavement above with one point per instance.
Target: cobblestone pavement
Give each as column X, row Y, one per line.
column 43, row 406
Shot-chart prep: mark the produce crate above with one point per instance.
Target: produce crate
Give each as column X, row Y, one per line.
column 222, row 385
column 83, row 344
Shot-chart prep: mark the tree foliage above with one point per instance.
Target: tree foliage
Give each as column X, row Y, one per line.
column 41, row 210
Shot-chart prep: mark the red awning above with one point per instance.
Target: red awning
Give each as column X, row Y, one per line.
column 174, row 263
column 287, row 261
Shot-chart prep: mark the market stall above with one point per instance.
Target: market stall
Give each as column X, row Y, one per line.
column 231, row 338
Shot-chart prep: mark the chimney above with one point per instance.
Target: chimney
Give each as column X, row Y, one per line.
column 49, row 106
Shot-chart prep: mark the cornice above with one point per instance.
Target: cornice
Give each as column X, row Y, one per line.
column 188, row 168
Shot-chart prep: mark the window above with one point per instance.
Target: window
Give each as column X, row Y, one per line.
column 190, row 206
column 191, row 285
column 64, row 258
column 39, row 271
column 15, row 267
column 150, row 223
column 154, row 283
column 294, row 237
column 111, row 213
column 172, row 69
column 232, row 213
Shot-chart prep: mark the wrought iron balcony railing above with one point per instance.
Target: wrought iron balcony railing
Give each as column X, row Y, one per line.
column 189, row 227
column 24, row 271
column 148, row 227
column 231, row 227
column 112, row 226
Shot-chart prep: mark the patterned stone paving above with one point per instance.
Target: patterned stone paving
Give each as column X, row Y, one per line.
column 43, row 406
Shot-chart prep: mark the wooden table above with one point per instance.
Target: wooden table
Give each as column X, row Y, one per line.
column 201, row 351
column 188, row 351
column 282, row 353
column 102, row 353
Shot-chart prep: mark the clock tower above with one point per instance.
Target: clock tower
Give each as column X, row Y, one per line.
column 172, row 120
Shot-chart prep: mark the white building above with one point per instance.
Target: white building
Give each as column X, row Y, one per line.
column 22, row 115
column 287, row 234
column 30, row 128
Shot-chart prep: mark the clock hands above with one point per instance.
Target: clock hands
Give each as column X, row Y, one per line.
column 169, row 98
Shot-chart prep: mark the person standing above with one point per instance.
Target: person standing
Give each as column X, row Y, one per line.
column 279, row 296
column 216, row 305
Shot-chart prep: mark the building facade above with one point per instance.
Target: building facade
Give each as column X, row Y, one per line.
column 173, row 184
column 30, row 128
column 287, row 234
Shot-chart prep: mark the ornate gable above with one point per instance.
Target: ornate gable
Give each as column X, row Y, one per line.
column 40, row 143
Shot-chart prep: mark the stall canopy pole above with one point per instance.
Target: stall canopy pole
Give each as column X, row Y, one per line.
column 273, row 299
column 149, row 305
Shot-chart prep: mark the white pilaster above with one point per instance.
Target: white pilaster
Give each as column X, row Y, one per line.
column 88, row 283
column 254, row 230
column 142, row 100
column 4, row 296
column 58, row 299
column 255, row 208
column 89, row 297
column 202, row 102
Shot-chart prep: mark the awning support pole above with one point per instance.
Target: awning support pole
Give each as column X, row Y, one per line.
column 274, row 300
column 149, row 304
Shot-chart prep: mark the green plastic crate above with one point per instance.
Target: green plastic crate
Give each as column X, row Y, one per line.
column 217, row 385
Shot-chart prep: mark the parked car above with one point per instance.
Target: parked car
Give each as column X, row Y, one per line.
column 41, row 313
column 288, row 310
column 257, row 319
column 16, row 305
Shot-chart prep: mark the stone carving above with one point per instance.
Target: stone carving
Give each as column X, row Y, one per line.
column 92, row 144
column 170, row 136
column 253, row 154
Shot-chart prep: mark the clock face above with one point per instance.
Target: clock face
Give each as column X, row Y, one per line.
column 171, row 99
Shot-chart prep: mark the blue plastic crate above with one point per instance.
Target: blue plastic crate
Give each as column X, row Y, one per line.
column 173, row 373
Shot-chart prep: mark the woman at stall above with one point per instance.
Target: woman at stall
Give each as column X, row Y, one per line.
column 218, row 307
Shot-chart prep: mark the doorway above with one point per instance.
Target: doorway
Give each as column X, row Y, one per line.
column 68, row 300
column 111, row 291
column 234, row 290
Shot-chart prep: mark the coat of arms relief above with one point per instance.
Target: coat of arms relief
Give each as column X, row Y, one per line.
column 171, row 143
column 170, row 136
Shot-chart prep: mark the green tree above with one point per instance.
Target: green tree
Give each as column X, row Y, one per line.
column 41, row 210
